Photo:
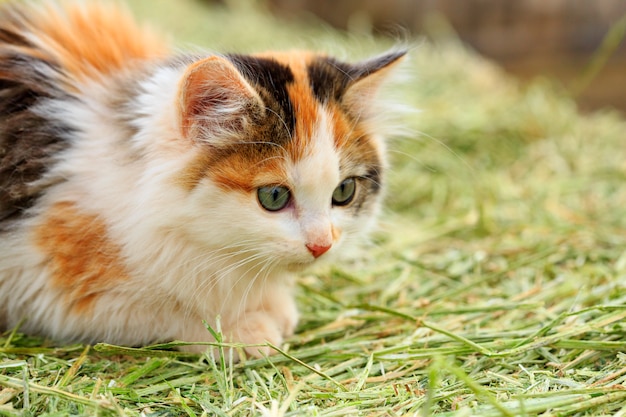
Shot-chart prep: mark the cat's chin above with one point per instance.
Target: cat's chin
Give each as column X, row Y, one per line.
column 299, row 266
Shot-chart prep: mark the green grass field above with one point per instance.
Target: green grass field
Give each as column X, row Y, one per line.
column 497, row 285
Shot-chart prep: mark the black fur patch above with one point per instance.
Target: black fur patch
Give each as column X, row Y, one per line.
column 271, row 79
column 28, row 141
column 329, row 78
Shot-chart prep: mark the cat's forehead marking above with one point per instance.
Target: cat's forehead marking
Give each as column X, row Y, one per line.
column 316, row 87
column 307, row 108
column 295, row 86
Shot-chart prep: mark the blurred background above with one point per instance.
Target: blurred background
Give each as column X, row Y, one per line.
column 578, row 42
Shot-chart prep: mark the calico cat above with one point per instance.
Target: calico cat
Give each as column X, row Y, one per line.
column 144, row 191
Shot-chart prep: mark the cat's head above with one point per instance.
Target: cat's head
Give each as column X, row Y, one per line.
column 289, row 161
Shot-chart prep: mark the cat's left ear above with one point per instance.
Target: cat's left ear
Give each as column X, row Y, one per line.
column 366, row 78
column 216, row 101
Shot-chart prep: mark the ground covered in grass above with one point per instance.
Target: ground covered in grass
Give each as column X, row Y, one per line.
column 497, row 285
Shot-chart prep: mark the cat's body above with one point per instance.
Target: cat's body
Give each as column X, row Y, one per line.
column 142, row 192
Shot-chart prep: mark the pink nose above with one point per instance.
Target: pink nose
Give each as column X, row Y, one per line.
column 317, row 250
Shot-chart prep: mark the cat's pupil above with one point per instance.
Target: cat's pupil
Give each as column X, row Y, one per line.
column 344, row 193
column 273, row 197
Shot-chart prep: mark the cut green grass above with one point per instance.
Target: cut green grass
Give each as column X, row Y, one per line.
column 496, row 286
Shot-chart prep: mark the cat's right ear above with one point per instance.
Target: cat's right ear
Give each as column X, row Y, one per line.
column 215, row 101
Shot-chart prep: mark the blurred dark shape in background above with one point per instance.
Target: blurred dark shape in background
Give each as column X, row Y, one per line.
column 555, row 38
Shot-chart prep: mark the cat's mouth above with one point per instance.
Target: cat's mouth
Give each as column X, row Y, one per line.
column 299, row 266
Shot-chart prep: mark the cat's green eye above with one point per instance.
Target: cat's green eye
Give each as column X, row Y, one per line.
column 344, row 193
column 274, row 197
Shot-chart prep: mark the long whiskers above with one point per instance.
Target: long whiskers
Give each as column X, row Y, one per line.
column 210, row 276
column 192, row 270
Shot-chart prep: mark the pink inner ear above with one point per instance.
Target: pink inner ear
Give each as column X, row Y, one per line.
column 214, row 97
column 201, row 101
column 370, row 76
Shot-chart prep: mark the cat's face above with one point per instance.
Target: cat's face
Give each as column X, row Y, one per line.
column 287, row 167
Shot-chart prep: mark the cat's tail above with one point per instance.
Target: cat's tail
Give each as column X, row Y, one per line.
column 71, row 41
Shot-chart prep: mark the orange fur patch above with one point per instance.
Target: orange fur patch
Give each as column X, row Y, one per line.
column 352, row 137
column 238, row 171
column 92, row 38
column 343, row 129
column 194, row 172
column 82, row 260
column 306, row 109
